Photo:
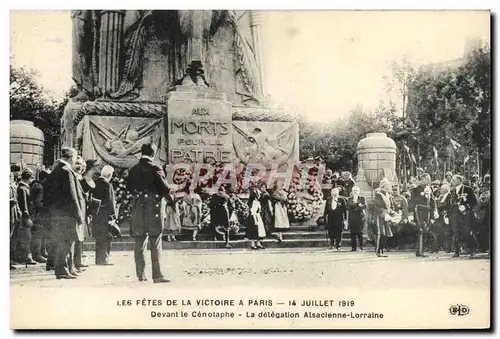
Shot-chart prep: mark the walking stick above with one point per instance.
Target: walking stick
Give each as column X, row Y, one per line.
column 326, row 236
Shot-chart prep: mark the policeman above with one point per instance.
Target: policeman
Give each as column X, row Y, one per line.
column 146, row 181
column 423, row 207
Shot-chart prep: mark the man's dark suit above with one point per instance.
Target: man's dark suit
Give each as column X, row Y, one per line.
column 104, row 192
column 423, row 206
column 334, row 219
column 382, row 207
column 65, row 203
column 444, row 229
column 146, row 181
column 462, row 222
column 356, row 220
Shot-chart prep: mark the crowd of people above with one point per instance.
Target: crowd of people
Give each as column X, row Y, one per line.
column 452, row 215
column 54, row 211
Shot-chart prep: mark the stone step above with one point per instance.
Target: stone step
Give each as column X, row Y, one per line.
column 179, row 245
column 289, row 235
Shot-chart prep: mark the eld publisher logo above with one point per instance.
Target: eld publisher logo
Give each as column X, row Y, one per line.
column 459, row 310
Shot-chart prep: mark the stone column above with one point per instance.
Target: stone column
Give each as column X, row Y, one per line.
column 256, row 22
column 110, row 49
column 197, row 37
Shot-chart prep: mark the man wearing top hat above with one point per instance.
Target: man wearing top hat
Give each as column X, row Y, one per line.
column 146, row 181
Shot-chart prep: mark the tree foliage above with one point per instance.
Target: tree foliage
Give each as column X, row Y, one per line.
column 454, row 103
column 403, row 75
column 336, row 142
column 29, row 101
column 443, row 104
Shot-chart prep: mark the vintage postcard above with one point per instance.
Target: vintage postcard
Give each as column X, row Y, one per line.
column 249, row 169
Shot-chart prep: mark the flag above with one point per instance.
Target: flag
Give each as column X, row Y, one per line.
column 435, row 152
column 466, row 159
column 455, row 144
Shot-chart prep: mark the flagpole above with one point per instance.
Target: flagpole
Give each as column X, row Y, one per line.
column 418, row 155
column 453, row 160
column 404, row 164
column 478, row 165
column 465, row 161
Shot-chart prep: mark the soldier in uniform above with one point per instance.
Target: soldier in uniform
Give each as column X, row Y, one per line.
column 24, row 234
column 15, row 218
column 423, row 207
column 39, row 218
column 146, row 181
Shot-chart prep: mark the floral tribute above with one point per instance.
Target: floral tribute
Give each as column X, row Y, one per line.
column 304, row 197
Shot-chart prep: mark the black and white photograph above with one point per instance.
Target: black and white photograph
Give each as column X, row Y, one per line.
column 250, row 169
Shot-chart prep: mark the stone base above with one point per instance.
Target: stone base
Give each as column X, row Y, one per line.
column 199, row 126
column 290, row 240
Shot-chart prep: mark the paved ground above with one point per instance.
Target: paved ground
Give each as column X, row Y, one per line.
column 294, row 268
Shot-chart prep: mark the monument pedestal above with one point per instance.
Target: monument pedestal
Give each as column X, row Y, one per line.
column 114, row 131
column 199, row 126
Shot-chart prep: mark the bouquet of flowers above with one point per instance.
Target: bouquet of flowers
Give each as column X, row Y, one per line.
column 241, row 210
column 205, row 213
column 123, row 196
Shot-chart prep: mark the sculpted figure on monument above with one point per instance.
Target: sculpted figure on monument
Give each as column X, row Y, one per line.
column 197, row 30
column 107, row 49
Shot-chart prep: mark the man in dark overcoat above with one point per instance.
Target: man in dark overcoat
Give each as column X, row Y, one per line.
column 147, row 184
column 335, row 216
column 104, row 192
column 356, row 206
column 463, row 202
column 383, row 212
column 423, row 206
column 65, row 204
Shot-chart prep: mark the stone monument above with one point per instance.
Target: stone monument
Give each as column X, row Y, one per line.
column 376, row 161
column 191, row 81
